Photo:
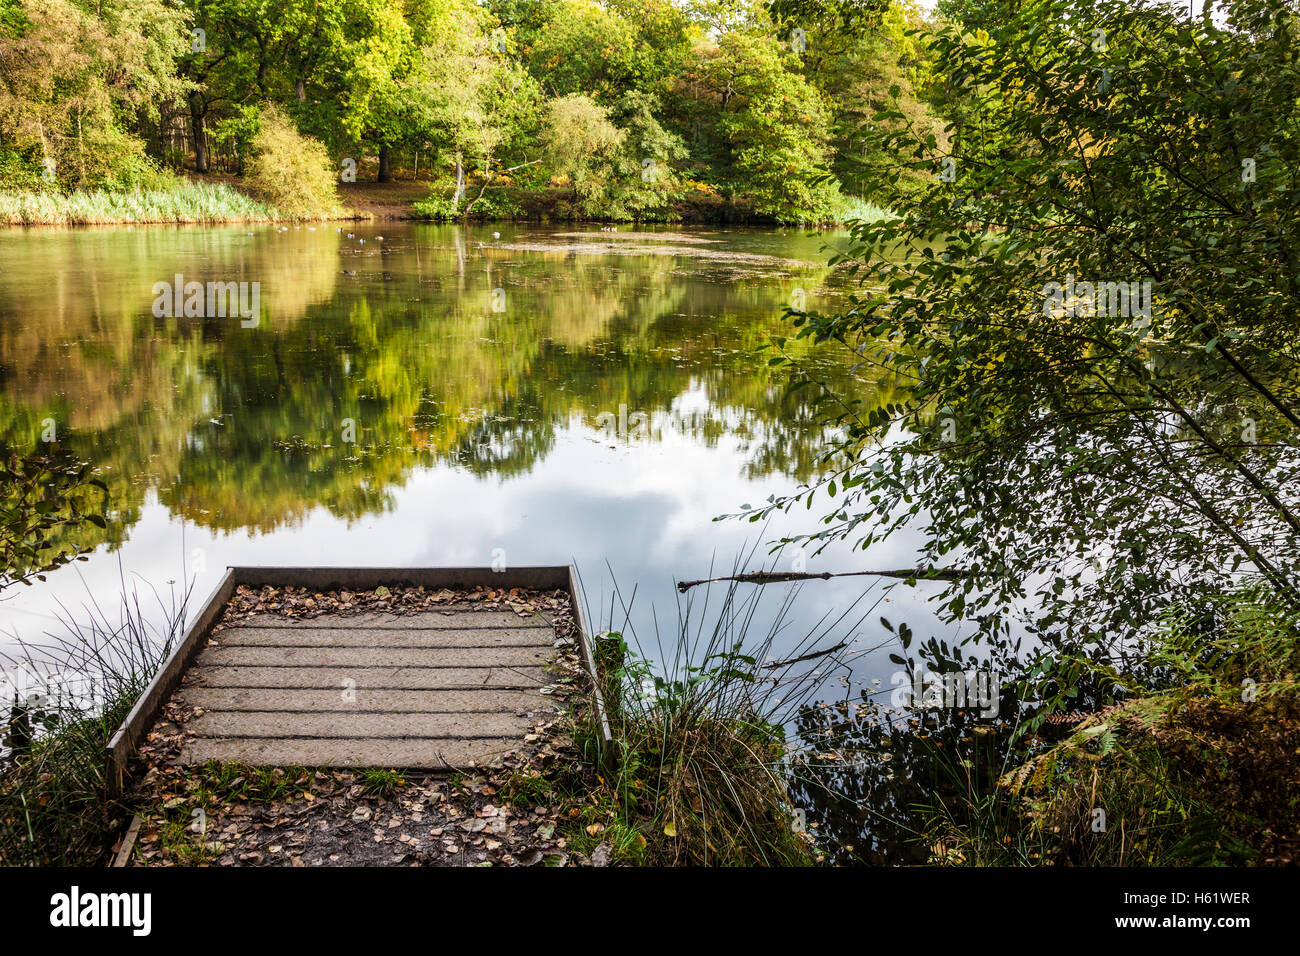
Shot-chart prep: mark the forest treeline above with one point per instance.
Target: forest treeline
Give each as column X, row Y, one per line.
column 622, row 109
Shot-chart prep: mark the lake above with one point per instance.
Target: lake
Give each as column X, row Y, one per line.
column 437, row 395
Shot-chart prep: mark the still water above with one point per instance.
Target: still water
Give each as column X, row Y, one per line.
column 434, row 395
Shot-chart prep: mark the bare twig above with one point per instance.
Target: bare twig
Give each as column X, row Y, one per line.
column 806, row 657
column 773, row 577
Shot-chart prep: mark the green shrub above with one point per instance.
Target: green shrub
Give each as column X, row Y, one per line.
column 854, row 208
column 290, row 171
column 437, row 206
column 494, row 204
column 114, row 160
column 1198, row 767
column 19, row 169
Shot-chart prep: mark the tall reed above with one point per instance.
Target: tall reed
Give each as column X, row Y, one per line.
column 184, row 202
column 66, row 696
column 699, row 722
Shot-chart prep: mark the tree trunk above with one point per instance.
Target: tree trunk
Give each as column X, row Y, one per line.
column 460, row 184
column 385, row 164
column 199, row 133
column 301, row 90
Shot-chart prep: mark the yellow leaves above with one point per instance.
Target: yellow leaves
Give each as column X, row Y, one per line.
column 670, row 829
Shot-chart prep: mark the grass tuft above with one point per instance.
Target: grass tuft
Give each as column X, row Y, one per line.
column 701, row 774
column 66, row 698
column 380, row 782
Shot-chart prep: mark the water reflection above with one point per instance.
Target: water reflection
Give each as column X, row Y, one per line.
column 427, row 398
column 424, row 348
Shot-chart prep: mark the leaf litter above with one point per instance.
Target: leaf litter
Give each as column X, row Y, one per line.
column 231, row 815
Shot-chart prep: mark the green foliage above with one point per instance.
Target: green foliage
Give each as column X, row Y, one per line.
column 73, row 73
column 117, row 162
column 1223, row 640
column 869, row 58
column 290, row 171
column 582, row 142
column 773, row 127
column 1199, row 768
column 527, row 790
column 699, row 778
column 709, row 98
column 438, row 206
column 1119, row 473
column 640, row 179
column 584, row 48
column 381, row 782
column 41, row 495
column 1195, row 767
column 1091, row 463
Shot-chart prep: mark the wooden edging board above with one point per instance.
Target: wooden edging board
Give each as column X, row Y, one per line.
column 127, row 738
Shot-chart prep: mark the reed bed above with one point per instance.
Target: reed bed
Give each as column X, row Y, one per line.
column 699, row 717
column 185, row 202
column 67, row 696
